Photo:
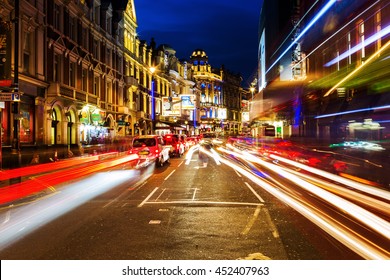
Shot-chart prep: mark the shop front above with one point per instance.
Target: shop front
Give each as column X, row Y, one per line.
column 94, row 127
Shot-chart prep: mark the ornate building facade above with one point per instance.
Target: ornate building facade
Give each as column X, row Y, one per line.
column 86, row 78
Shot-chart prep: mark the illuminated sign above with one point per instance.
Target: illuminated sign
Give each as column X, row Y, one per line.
column 187, row 102
column 222, row 113
column 171, row 107
column 245, row 116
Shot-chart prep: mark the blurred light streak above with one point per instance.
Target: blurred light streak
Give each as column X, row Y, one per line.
column 26, row 219
column 288, row 37
column 311, row 23
column 352, row 240
column 353, row 111
column 190, row 153
column 358, row 179
column 213, row 154
column 376, row 223
column 45, row 167
column 356, row 185
column 26, row 188
column 359, row 46
column 360, row 67
column 335, row 33
column 371, row 202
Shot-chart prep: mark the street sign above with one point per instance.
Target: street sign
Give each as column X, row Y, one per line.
column 16, row 96
column 6, row 96
column 9, row 96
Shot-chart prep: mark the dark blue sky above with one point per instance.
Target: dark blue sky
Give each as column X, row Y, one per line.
column 227, row 30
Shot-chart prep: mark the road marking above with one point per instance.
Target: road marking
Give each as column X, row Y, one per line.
column 238, row 174
column 160, row 194
column 275, row 232
column 193, row 195
column 251, row 221
column 166, row 178
column 147, row 198
column 255, row 193
column 203, row 202
column 154, row 222
column 180, row 163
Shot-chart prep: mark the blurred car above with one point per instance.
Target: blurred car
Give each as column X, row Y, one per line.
column 193, row 140
column 177, row 147
column 150, row 148
column 184, row 139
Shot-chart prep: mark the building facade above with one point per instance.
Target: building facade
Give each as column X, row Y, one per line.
column 85, row 78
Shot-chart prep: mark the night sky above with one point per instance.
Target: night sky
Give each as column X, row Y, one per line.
column 227, row 30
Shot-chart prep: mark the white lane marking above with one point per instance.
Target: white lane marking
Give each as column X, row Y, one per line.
column 193, row 195
column 160, row 194
column 180, row 163
column 238, row 174
column 139, row 184
column 166, row 178
column 255, row 193
column 147, row 198
column 251, row 221
column 275, row 232
column 203, row 202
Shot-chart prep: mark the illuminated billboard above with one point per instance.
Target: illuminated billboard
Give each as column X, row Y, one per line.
column 187, row 101
column 171, row 107
column 222, row 113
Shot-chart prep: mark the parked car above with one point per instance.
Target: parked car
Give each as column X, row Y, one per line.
column 177, row 147
column 150, row 148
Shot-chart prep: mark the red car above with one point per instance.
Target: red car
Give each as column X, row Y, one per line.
column 177, row 147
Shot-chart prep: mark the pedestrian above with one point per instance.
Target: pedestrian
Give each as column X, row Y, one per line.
column 203, row 157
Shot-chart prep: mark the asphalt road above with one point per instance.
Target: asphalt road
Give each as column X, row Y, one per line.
column 180, row 211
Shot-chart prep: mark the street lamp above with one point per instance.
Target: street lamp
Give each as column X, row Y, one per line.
column 152, row 70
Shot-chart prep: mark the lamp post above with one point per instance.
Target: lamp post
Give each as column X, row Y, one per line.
column 153, row 102
column 153, row 107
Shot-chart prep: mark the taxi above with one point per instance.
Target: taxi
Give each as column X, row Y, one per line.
column 150, row 148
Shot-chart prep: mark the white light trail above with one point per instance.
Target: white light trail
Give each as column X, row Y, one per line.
column 356, row 185
column 335, row 33
column 26, row 219
column 353, row 111
column 359, row 46
column 353, row 241
column 311, row 23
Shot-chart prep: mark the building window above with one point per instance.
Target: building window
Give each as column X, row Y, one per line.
column 349, row 48
column 96, row 86
column 56, row 17
column 96, row 49
column 84, row 79
column 109, row 93
column 56, row 68
column 97, row 15
column 72, row 74
column 85, row 38
column 127, row 70
column 362, row 42
column 109, row 25
column 378, row 27
column 27, row 53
